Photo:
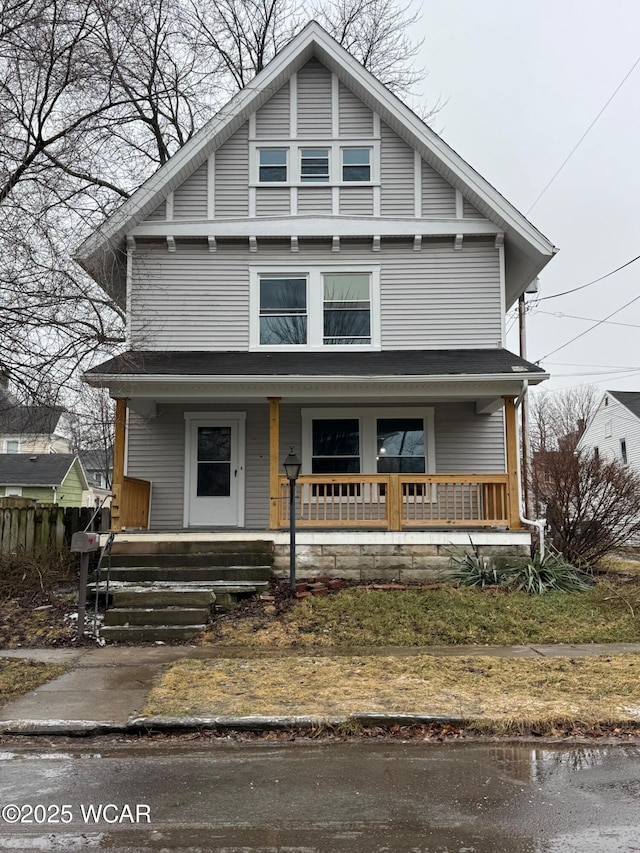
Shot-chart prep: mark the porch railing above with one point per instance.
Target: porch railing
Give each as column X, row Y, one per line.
column 135, row 502
column 397, row 501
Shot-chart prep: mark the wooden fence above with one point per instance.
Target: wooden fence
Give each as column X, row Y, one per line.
column 28, row 527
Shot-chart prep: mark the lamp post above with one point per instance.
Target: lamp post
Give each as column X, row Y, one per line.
column 292, row 467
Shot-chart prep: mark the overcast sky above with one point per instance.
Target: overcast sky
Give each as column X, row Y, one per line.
column 522, row 81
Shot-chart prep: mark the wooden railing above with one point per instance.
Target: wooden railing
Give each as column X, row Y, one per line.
column 397, row 501
column 135, row 503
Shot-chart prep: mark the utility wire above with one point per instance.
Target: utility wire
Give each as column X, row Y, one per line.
column 579, row 142
column 589, row 283
column 560, row 316
column 591, row 328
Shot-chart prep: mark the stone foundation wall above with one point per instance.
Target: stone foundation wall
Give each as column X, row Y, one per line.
column 426, row 563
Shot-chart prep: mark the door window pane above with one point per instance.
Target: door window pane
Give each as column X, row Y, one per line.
column 347, row 309
column 214, row 480
column 400, row 446
column 214, row 462
column 314, row 165
column 273, row 165
column 283, row 310
column 336, row 446
column 214, row 444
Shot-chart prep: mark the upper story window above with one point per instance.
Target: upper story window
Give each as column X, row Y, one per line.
column 283, row 310
column 314, row 165
column 315, row 308
column 623, row 451
column 273, row 165
column 12, row 446
column 356, row 164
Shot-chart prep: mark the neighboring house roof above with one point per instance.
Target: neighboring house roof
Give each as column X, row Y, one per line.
column 498, row 362
column 527, row 251
column 30, row 420
column 40, row 469
column 629, row 399
column 94, row 460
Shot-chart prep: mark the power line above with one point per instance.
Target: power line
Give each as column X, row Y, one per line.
column 591, row 328
column 589, row 283
column 561, row 315
column 579, row 142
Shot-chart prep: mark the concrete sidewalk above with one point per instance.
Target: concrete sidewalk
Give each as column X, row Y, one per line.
column 105, row 688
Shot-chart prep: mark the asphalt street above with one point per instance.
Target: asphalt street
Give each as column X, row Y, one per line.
column 355, row 797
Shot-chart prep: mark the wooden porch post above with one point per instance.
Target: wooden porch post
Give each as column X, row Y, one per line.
column 513, row 496
column 118, row 463
column 274, row 462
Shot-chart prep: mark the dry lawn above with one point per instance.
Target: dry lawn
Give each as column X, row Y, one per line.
column 18, row 677
column 594, row 689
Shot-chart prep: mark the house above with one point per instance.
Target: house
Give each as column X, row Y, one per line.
column 317, row 269
column 31, row 429
column 614, row 430
column 98, row 468
column 44, row 477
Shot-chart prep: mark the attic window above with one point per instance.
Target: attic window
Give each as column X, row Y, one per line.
column 314, row 165
column 356, row 164
column 273, row 165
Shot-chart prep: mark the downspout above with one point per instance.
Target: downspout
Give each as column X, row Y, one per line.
column 539, row 523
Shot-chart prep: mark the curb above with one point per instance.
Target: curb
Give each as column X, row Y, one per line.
column 88, row 728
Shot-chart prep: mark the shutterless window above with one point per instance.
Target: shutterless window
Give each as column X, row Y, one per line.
column 623, row 451
column 356, row 164
column 335, row 446
column 283, row 310
column 400, row 446
column 314, row 165
column 273, row 165
column 347, row 309
column 13, row 447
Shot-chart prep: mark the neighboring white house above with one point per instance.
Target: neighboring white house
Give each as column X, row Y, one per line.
column 614, row 430
column 316, row 268
column 33, row 429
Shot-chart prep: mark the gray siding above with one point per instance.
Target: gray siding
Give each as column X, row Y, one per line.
column 439, row 298
column 273, row 119
column 232, row 175
column 356, row 201
column 190, row 198
column 396, row 175
column 314, row 100
column 158, row 214
column 273, row 201
column 432, row 299
column 355, row 118
column 438, row 196
column 314, row 200
column 465, row 443
column 470, row 212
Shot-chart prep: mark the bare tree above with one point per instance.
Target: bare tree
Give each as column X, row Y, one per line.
column 558, row 419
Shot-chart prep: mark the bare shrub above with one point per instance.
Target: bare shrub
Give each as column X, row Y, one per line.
column 22, row 573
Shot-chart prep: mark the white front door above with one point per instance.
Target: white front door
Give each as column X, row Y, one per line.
column 214, row 472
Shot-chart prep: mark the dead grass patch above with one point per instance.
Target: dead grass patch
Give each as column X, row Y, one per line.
column 495, row 689
column 18, row 677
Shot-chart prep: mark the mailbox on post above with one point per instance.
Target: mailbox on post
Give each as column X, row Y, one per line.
column 83, row 543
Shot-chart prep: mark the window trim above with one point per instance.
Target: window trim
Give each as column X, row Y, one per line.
column 344, row 148
column 315, row 304
column 293, row 147
column 287, row 165
column 367, row 418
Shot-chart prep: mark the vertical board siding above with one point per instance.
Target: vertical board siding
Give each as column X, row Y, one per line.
column 466, row 442
column 356, row 201
column 355, row 118
column 190, row 299
column 314, row 100
column 273, row 119
column 438, row 196
column 470, row 212
column 190, row 198
column 437, row 298
column 314, row 200
column 273, row 201
column 232, row 175
column 397, row 168
column 158, row 214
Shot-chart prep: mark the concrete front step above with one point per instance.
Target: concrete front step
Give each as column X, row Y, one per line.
column 166, row 594
column 149, row 633
column 181, row 572
column 186, row 547
column 153, row 616
column 232, row 557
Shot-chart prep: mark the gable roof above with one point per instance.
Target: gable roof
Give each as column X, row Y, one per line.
column 629, row 399
column 40, row 469
column 29, row 420
column 527, row 250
